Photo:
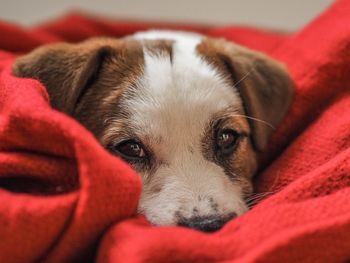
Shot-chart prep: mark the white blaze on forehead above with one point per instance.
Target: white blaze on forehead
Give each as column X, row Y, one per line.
column 179, row 94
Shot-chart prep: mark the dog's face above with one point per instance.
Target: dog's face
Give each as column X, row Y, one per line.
column 189, row 113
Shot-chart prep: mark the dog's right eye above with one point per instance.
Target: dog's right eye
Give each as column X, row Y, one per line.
column 129, row 150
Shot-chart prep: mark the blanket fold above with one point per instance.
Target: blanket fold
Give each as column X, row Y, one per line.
column 63, row 198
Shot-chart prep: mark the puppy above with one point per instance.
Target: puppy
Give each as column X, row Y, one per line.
column 189, row 113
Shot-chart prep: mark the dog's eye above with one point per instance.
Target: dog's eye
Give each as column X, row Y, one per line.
column 129, row 149
column 226, row 141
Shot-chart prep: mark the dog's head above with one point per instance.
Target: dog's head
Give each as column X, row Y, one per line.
column 189, row 113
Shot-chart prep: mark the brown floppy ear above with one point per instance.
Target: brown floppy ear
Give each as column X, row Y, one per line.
column 66, row 70
column 265, row 87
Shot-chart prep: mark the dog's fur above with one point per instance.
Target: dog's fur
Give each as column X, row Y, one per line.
column 177, row 95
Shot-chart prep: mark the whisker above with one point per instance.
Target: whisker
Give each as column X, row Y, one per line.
column 256, row 119
column 245, row 76
column 255, row 198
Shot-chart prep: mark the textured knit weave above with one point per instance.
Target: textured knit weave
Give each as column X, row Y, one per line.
column 63, row 198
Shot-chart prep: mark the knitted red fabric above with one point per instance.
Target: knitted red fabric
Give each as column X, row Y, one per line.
column 63, row 198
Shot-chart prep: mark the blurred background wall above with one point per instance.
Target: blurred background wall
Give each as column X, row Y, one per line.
column 274, row 14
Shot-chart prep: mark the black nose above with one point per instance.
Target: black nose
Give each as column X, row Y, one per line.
column 206, row 223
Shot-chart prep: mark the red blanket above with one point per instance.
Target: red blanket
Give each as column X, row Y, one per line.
column 63, row 198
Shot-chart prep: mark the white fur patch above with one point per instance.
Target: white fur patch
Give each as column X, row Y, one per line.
column 170, row 107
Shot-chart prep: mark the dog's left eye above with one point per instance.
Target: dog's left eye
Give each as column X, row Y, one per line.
column 226, row 141
column 129, row 149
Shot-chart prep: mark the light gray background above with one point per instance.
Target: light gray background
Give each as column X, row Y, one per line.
column 275, row 14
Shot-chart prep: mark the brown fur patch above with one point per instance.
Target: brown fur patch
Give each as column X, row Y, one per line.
column 99, row 109
column 85, row 80
column 264, row 84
